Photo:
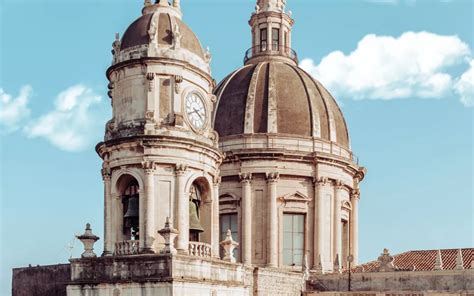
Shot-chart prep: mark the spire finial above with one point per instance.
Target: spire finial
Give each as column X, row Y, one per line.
column 459, row 260
column 439, row 261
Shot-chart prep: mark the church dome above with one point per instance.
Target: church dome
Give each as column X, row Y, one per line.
column 138, row 33
column 278, row 98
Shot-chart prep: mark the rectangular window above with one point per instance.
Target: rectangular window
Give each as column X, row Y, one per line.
column 263, row 39
column 229, row 221
column 293, row 239
column 275, row 39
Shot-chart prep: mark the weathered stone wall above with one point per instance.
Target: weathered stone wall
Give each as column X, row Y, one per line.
column 276, row 282
column 440, row 280
column 41, row 280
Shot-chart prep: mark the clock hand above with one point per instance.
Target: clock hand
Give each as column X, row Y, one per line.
column 197, row 112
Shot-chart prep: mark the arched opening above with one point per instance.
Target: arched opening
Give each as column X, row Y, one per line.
column 129, row 190
column 195, row 201
column 200, row 211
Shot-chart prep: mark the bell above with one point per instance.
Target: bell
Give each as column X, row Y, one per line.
column 194, row 224
column 131, row 216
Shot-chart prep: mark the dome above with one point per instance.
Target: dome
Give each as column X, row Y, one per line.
column 278, row 98
column 138, row 33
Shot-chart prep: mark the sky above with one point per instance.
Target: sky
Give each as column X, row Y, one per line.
column 401, row 70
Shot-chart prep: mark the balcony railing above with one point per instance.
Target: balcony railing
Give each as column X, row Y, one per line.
column 199, row 249
column 125, row 248
column 273, row 50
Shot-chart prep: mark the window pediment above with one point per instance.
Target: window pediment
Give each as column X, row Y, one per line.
column 296, row 200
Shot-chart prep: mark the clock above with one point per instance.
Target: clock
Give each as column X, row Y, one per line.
column 195, row 110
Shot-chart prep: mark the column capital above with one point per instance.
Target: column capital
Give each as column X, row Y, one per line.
column 180, row 169
column 339, row 185
column 273, row 177
column 355, row 194
column 216, row 180
column 149, row 166
column 321, row 181
column 106, row 173
column 245, row 177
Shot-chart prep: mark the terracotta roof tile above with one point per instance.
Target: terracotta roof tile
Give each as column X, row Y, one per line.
column 422, row 260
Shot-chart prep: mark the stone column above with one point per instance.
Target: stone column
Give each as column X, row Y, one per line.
column 182, row 210
column 215, row 217
column 338, row 188
column 269, row 36
column 354, row 227
column 108, row 244
column 246, row 179
column 149, row 231
column 319, row 222
column 272, row 223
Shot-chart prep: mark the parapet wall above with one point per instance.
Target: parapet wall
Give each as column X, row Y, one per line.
column 41, row 280
column 422, row 281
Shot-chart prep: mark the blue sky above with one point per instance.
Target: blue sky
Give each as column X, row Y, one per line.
column 401, row 70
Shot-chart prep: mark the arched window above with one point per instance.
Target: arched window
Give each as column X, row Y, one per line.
column 195, row 200
column 131, row 211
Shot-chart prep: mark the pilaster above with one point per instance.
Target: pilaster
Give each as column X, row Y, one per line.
column 149, row 230
column 354, row 227
column 108, row 244
column 272, row 224
column 246, row 180
column 318, row 254
column 337, row 243
column 182, row 209
column 215, row 216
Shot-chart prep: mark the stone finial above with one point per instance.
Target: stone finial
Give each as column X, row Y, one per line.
column 459, row 261
column 318, row 266
column 176, row 4
column 169, row 234
column 88, row 239
column 116, row 45
column 386, row 261
column 306, row 273
column 337, row 264
column 147, row 3
column 439, row 261
column 177, row 36
column 229, row 245
column 208, row 55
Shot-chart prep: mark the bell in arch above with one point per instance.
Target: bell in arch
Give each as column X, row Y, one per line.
column 195, row 226
column 131, row 216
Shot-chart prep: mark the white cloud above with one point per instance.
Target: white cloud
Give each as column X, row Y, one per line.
column 465, row 86
column 415, row 64
column 74, row 123
column 13, row 111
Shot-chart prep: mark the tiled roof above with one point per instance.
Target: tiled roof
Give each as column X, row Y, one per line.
column 423, row 260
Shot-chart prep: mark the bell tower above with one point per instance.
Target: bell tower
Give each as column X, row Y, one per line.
column 160, row 153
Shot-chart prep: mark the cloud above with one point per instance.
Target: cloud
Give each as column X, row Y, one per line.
column 465, row 86
column 414, row 64
column 74, row 123
column 13, row 111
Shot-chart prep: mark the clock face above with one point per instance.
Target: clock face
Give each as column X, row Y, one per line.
column 195, row 110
